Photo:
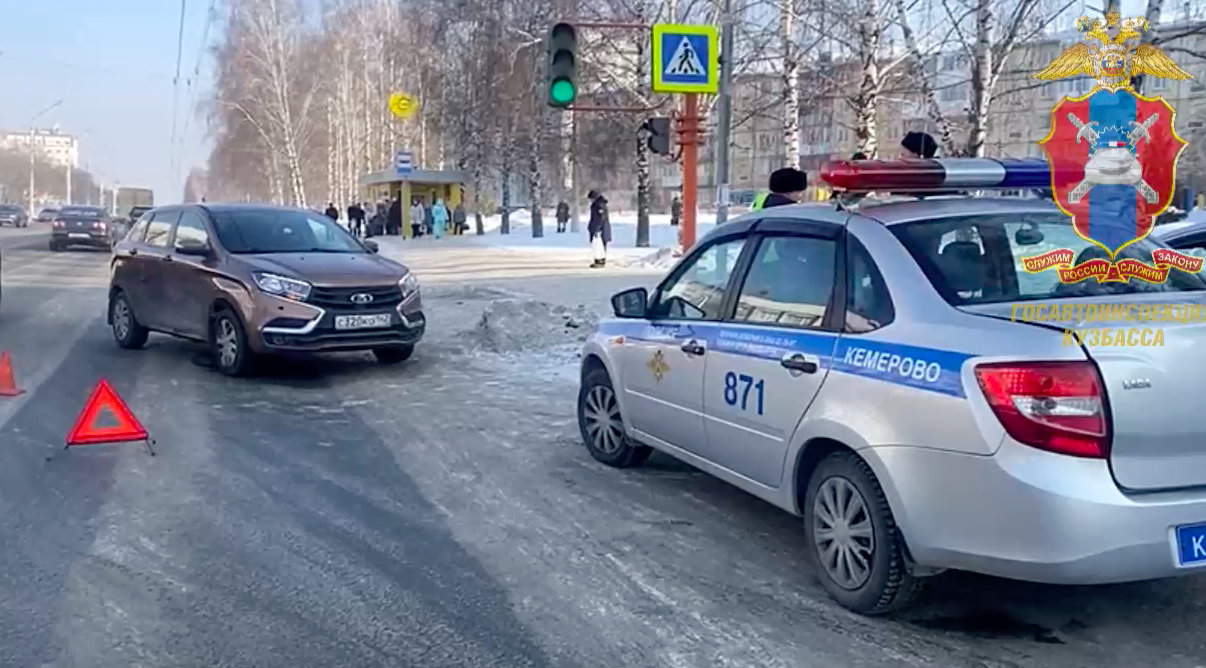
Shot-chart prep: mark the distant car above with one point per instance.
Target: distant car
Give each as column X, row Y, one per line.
column 82, row 226
column 12, row 214
column 137, row 212
column 251, row 279
column 47, row 215
column 1184, row 236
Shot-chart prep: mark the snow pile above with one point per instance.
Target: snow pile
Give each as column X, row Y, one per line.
column 531, row 325
column 662, row 258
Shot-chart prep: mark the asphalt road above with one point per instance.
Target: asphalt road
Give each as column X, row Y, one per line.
column 333, row 512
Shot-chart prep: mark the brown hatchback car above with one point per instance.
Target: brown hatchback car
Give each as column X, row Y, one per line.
column 249, row 280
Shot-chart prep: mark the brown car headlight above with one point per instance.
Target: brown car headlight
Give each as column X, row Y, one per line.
column 409, row 285
column 283, row 286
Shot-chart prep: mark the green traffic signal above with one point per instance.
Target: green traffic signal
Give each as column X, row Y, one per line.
column 562, row 72
column 562, row 92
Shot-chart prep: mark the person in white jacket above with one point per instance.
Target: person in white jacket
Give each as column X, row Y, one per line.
column 416, row 217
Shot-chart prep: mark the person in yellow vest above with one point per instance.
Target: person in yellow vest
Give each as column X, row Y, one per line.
column 787, row 186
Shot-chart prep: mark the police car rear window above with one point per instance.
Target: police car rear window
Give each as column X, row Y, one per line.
column 978, row 259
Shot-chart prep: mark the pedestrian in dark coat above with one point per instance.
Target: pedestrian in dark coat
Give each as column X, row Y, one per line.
column 599, row 228
column 460, row 221
column 394, row 221
column 355, row 219
column 563, row 216
column 332, row 212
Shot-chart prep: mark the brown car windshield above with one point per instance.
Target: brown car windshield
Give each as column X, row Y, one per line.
column 281, row 231
column 978, row 259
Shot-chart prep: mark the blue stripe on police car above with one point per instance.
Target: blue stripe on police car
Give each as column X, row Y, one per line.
column 923, row 368
column 912, row 366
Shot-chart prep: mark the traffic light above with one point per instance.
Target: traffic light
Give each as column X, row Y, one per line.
column 659, row 135
column 563, row 65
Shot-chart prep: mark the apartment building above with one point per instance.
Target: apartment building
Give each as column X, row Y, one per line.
column 56, row 147
column 1021, row 110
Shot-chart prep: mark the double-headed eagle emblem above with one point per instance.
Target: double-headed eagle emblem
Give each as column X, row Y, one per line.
column 1112, row 54
column 1120, row 140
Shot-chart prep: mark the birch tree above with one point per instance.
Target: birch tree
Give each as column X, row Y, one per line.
column 988, row 42
column 925, row 85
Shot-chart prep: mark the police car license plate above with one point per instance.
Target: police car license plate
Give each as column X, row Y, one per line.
column 1190, row 547
column 362, row 321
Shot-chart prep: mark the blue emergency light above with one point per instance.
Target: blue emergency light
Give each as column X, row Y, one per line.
column 920, row 175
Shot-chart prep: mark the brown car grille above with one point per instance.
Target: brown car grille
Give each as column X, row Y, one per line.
column 383, row 296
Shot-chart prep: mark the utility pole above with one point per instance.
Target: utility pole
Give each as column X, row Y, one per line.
column 575, row 177
column 31, row 168
column 68, row 183
column 688, row 133
column 726, row 113
column 32, row 154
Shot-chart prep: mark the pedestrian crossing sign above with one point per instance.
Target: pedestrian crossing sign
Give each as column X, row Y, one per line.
column 686, row 58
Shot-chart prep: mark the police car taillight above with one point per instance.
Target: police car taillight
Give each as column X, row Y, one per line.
column 1054, row 406
column 936, row 175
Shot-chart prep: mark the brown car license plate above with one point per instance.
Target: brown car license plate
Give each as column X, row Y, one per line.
column 362, row 321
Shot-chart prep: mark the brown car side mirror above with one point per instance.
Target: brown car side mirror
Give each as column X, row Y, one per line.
column 193, row 248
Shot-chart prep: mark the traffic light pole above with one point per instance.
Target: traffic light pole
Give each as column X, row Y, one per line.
column 689, row 140
column 723, row 195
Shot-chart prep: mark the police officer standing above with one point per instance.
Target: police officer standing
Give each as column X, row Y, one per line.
column 787, row 186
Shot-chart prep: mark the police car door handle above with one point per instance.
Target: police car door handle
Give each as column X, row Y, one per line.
column 693, row 347
column 798, row 363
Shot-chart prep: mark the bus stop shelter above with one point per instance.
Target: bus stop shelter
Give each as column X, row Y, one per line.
column 427, row 184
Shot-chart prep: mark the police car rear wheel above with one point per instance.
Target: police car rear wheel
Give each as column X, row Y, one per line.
column 601, row 425
column 854, row 543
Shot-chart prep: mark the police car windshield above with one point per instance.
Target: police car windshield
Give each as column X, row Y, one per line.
column 978, row 259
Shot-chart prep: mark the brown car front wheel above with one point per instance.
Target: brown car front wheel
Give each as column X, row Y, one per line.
column 228, row 343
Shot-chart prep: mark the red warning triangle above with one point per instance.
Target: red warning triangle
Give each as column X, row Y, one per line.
column 86, row 431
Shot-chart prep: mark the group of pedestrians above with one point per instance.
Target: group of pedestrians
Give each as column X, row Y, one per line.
column 385, row 218
column 436, row 219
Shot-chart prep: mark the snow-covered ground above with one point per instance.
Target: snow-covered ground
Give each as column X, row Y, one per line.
column 623, row 233
column 623, row 251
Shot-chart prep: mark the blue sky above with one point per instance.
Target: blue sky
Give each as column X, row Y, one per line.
column 112, row 63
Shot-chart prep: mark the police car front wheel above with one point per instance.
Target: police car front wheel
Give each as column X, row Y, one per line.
column 853, row 540
column 601, row 425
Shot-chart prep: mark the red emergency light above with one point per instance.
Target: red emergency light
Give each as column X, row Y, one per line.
column 940, row 174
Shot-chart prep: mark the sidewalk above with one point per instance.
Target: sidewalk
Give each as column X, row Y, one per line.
column 473, row 259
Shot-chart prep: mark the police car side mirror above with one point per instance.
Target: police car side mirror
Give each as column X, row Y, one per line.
column 370, row 246
column 631, row 303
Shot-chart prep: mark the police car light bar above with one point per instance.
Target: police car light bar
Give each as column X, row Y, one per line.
column 939, row 174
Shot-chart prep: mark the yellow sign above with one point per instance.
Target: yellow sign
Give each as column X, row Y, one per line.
column 686, row 58
column 403, row 106
column 1109, row 317
column 658, row 366
column 1132, row 337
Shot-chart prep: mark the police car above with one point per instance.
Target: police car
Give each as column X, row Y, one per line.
column 872, row 372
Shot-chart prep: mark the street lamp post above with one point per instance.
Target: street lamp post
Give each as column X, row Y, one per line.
column 32, row 155
column 71, row 165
